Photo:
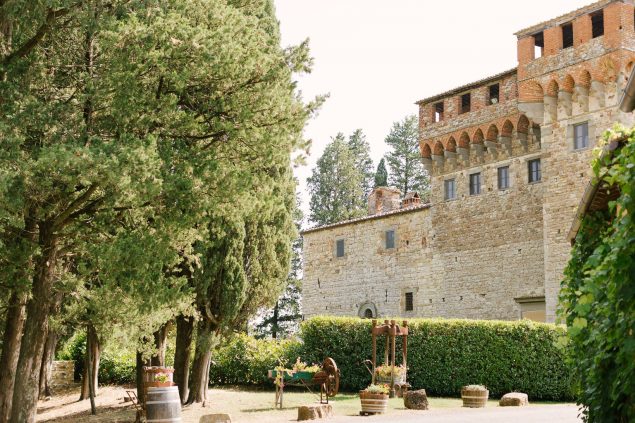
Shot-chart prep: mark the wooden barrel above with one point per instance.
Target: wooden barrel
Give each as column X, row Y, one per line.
column 474, row 398
column 163, row 404
column 373, row 403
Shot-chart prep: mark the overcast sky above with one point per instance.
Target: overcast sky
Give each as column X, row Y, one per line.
column 376, row 58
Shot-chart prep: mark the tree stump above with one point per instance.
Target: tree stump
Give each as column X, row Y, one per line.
column 215, row 418
column 416, row 400
column 312, row 412
column 514, row 399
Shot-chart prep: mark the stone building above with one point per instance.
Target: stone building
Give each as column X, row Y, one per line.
column 509, row 158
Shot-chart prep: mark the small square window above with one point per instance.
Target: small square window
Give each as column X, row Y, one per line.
column 466, row 102
column 533, row 168
column 390, row 239
column 503, row 177
column 438, row 112
column 494, row 94
column 409, row 301
column 475, row 184
column 581, row 136
column 450, row 189
column 340, row 248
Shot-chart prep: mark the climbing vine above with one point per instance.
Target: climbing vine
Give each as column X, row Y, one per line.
column 597, row 299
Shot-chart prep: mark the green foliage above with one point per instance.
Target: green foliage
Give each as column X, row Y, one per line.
column 361, row 157
column 336, row 185
column 245, row 360
column 404, row 159
column 381, row 175
column 445, row 355
column 597, row 299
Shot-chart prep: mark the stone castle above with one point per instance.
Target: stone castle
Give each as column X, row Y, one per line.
column 509, row 159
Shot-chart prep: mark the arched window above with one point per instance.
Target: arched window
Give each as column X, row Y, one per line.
column 368, row 314
column 367, row 311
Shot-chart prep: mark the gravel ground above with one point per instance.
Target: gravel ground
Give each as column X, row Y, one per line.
column 257, row 407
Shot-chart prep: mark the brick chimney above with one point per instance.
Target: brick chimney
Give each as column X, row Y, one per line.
column 411, row 199
column 383, row 199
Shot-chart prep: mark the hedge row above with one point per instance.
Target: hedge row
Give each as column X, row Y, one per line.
column 443, row 356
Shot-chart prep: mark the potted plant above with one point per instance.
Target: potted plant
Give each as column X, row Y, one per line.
column 383, row 374
column 374, row 399
column 162, row 380
column 474, row 396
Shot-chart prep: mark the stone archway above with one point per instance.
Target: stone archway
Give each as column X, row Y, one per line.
column 368, row 310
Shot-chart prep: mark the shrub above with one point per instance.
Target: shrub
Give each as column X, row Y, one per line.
column 445, row 355
column 245, row 360
column 598, row 293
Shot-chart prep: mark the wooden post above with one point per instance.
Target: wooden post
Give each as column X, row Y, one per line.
column 372, row 331
column 387, row 345
column 404, row 345
column 393, row 330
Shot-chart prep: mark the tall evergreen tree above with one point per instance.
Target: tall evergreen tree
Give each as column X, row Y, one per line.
column 336, row 185
column 361, row 156
column 404, row 159
column 381, row 176
column 283, row 318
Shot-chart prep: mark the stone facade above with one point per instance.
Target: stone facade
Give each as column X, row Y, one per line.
column 63, row 373
column 489, row 251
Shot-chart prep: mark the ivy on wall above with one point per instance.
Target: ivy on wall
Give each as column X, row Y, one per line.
column 597, row 299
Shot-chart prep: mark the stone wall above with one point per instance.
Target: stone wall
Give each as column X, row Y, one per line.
column 63, row 373
column 368, row 274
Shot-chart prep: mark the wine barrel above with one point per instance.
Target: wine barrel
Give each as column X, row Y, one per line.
column 163, row 404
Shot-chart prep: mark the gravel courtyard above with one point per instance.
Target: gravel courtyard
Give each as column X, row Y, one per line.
column 252, row 406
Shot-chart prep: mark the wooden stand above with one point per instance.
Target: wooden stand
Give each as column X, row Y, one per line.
column 391, row 330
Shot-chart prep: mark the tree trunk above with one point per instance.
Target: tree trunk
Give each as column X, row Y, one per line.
column 206, row 338
column 27, row 381
column 49, row 351
column 160, row 343
column 16, row 314
column 139, row 376
column 182, row 352
column 47, row 364
column 93, row 354
column 274, row 320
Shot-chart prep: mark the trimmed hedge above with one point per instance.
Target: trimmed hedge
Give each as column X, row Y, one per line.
column 444, row 355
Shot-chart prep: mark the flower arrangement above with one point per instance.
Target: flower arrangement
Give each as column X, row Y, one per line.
column 161, row 377
column 301, row 366
column 377, row 389
column 385, row 372
column 475, row 388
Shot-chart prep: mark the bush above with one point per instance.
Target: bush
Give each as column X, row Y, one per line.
column 444, row 355
column 245, row 360
column 597, row 299
column 115, row 367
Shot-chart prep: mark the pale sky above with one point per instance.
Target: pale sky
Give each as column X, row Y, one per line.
column 377, row 58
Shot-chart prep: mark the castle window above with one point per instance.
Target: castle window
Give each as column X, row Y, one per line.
column 466, row 102
column 539, row 44
column 533, row 168
column 368, row 314
column 450, row 189
column 567, row 35
column 581, row 136
column 390, row 239
column 503, row 177
column 438, row 112
column 494, row 94
column 597, row 24
column 475, row 183
column 409, row 301
column 339, row 249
